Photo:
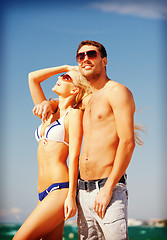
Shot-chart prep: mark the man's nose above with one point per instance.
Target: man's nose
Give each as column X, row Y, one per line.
column 86, row 57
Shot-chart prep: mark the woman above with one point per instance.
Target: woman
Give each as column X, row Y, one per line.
column 59, row 136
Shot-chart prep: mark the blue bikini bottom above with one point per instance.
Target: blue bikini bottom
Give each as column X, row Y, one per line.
column 53, row 187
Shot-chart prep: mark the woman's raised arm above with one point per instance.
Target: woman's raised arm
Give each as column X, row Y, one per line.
column 37, row 77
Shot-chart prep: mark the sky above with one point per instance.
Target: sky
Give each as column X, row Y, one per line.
column 37, row 35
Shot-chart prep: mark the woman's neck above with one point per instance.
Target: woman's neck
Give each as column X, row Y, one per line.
column 65, row 104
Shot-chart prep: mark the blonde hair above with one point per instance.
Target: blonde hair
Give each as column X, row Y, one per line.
column 138, row 128
column 80, row 82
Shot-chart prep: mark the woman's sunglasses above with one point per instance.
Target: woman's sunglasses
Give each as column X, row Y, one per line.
column 66, row 78
column 92, row 54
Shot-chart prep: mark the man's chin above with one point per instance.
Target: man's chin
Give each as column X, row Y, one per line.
column 86, row 72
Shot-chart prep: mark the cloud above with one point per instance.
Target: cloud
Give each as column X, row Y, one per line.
column 15, row 210
column 8, row 212
column 145, row 9
column 3, row 213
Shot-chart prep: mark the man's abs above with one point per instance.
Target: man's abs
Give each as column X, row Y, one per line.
column 98, row 152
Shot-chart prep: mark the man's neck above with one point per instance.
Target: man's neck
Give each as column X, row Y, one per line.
column 98, row 83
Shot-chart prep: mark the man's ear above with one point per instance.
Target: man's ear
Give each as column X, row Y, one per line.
column 105, row 61
column 74, row 91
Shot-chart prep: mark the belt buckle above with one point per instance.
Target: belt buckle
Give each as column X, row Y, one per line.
column 87, row 186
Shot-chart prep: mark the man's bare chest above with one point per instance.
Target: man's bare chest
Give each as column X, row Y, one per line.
column 97, row 110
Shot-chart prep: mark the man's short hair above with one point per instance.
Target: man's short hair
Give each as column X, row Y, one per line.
column 99, row 46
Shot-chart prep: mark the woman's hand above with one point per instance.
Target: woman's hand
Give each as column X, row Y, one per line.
column 70, row 207
column 70, row 68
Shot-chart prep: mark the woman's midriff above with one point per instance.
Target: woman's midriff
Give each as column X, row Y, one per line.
column 52, row 161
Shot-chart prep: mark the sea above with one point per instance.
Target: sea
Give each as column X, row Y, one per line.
column 7, row 231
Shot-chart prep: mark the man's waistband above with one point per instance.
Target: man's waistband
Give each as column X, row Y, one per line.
column 93, row 184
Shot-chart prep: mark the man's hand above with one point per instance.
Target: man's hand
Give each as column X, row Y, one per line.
column 43, row 110
column 101, row 202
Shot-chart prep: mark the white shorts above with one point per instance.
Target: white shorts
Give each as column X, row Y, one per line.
column 114, row 224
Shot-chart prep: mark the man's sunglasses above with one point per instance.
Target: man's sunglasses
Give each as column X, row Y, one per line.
column 92, row 54
column 66, row 78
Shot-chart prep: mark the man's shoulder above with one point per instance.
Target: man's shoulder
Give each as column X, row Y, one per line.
column 119, row 93
column 114, row 88
column 113, row 85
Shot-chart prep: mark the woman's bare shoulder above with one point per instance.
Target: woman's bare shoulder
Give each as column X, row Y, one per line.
column 75, row 113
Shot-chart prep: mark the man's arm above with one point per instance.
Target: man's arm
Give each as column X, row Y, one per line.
column 123, row 106
column 45, row 109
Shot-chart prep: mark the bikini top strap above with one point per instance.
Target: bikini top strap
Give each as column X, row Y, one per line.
column 67, row 112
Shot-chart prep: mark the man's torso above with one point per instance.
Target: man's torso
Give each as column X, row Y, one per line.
column 100, row 136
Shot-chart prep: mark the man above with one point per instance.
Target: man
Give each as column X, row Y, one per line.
column 108, row 144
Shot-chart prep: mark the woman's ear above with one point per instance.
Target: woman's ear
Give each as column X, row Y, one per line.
column 74, row 91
